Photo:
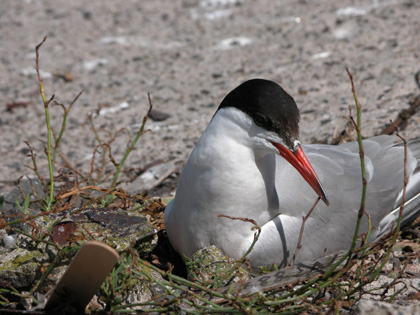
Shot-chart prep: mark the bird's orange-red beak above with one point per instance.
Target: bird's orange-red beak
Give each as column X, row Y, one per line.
column 301, row 163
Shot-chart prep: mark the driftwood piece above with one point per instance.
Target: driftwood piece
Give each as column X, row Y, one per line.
column 403, row 116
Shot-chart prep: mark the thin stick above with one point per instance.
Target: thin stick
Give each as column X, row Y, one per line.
column 33, row 157
column 372, row 274
column 256, row 234
column 358, row 127
column 68, row 165
column 397, row 229
column 98, row 138
column 47, row 120
column 304, row 219
column 405, row 177
column 63, row 124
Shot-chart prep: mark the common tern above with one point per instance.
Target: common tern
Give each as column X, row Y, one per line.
column 249, row 163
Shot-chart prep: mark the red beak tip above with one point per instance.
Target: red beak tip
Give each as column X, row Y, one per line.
column 301, row 163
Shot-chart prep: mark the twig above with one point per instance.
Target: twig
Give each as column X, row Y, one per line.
column 256, row 234
column 68, row 165
column 304, row 219
column 35, row 168
column 63, row 124
column 46, row 273
column 371, row 274
column 79, row 189
column 100, row 170
column 405, row 176
column 20, row 187
column 101, row 143
column 47, row 120
column 90, row 117
column 121, row 130
column 358, row 126
column 365, row 244
column 403, row 116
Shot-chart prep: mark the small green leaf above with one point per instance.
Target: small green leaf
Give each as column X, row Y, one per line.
column 27, row 202
column 19, row 206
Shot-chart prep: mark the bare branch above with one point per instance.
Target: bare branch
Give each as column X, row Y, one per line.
column 304, row 219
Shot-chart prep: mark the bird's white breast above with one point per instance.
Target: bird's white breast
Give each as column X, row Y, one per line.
column 221, row 176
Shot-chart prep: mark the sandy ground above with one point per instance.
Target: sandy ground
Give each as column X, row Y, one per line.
column 188, row 54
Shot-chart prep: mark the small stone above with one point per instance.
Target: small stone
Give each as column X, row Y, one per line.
column 369, row 307
column 157, row 115
column 9, row 241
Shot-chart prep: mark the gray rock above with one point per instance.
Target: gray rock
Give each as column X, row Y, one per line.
column 9, row 241
column 32, row 187
column 157, row 115
column 371, row 307
column 20, row 268
column 211, row 265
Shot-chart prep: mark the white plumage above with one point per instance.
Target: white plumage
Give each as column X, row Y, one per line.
column 236, row 170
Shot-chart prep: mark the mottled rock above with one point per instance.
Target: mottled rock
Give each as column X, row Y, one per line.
column 370, row 307
column 210, row 264
column 22, row 266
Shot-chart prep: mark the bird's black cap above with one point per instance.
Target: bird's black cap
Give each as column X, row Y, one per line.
column 268, row 105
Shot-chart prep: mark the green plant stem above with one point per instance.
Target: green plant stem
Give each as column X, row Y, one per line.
column 63, row 124
column 47, row 119
column 365, row 247
column 372, row 274
column 132, row 145
column 166, row 285
column 45, row 274
column 58, row 140
column 49, row 156
column 33, row 238
column 358, row 126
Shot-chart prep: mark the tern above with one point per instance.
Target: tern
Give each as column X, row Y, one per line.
column 249, row 163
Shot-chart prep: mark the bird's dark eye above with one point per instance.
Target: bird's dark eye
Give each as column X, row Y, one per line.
column 260, row 120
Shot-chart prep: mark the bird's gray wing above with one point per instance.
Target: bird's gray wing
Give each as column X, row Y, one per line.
column 338, row 167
